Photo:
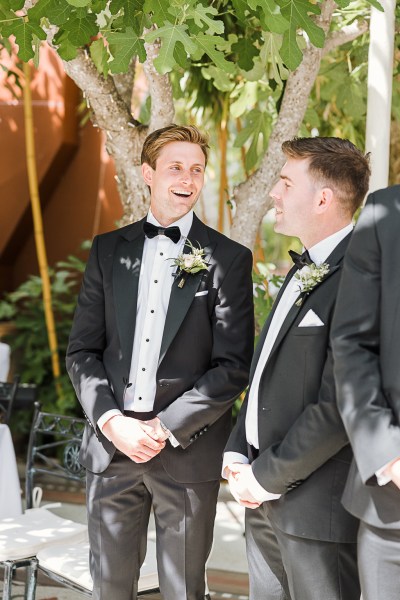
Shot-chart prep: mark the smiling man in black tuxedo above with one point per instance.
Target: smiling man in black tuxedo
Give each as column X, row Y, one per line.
column 157, row 363
column 366, row 349
column 288, row 457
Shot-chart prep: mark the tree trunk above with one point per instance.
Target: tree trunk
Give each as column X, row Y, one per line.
column 252, row 196
column 111, row 113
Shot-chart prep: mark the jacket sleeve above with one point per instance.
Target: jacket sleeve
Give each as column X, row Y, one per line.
column 364, row 405
column 315, row 437
column 87, row 342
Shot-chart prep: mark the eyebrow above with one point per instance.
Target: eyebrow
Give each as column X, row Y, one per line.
column 286, row 177
column 179, row 162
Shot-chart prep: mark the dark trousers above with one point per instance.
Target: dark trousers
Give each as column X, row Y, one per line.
column 287, row 567
column 119, row 502
column 379, row 562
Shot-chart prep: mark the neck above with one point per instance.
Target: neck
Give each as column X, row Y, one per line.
column 312, row 238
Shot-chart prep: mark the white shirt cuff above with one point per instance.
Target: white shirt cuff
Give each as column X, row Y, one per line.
column 106, row 417
column 258, row 492
column 381, row 476
column 233, row 457
column 173, row 441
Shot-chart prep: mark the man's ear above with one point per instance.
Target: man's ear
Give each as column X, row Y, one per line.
column 325, row 199
column 147, row 174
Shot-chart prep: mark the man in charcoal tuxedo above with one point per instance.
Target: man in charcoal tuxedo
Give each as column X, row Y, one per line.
column 156, row 362
column 288, row 457
column 366, row 349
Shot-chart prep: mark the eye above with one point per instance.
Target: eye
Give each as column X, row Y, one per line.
column 174, row 168
column 198, row 170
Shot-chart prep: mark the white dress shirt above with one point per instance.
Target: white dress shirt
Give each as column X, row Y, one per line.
column 318, row 254
column 155, row 283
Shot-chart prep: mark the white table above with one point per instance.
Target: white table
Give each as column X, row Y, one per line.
column 10, row 493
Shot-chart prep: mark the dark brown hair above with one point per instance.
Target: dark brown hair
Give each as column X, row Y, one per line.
column 159, row 138
column 335, row 163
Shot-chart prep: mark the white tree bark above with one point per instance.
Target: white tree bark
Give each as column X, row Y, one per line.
column 252, row 196
column 111, row 113
column 162, row 103
column 380, row 76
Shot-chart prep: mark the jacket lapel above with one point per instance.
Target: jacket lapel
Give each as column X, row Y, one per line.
column 181, row 298
column 334, row 261
column 126, row 272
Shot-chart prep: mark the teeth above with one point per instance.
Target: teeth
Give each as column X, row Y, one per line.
column 182, row 192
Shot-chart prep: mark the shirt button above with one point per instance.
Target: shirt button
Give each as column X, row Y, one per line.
column 143, row 369
column 147, row 340
column 156, row 281
column 140, row 398
column 161, row 253
column 152, row 311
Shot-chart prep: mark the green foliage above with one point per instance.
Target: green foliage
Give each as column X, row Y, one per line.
column 228, row 52
column 266, row 286
column 29, row 343
column 188, row 29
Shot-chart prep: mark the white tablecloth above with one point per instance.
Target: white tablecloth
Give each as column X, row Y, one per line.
column 5, row 352
column 10, row 494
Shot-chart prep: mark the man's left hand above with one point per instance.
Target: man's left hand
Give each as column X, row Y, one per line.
column 153, row 429
column 238, row 477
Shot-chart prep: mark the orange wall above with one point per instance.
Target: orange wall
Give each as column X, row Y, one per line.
column 77, row 187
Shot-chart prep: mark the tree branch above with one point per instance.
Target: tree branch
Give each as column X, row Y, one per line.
column 124, row 141
column 162, row 104
column 347, row 34
column 124, row 83
column 252, row 196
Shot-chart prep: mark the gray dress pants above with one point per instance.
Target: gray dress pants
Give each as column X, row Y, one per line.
column 119, row 502
column 287, row 567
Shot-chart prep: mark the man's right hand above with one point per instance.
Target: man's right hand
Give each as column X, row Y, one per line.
column 132, row 438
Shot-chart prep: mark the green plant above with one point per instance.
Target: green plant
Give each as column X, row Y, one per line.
column 29, row 342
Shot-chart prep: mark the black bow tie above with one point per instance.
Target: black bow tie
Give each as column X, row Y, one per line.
column 300, row 260
column 174, row 233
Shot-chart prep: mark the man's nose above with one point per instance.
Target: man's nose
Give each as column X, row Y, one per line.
column 274, row 193
column 186, row 176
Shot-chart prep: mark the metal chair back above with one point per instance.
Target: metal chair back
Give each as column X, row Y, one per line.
column 53, row 450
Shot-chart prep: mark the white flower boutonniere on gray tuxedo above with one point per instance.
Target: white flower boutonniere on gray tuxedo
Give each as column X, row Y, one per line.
column 189, row 263
column 308, row 277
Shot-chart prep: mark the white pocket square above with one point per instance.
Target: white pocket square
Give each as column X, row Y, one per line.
column 311, row 319
column 203, row 293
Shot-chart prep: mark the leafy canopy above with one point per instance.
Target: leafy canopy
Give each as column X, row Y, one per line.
column 229, row 35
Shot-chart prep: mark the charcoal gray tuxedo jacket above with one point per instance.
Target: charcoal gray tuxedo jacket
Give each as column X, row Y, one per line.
column 304, row 451
column 205, row 353
column 366, row 343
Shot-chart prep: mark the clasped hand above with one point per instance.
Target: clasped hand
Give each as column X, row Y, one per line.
column 139, row 440
column 238, row 478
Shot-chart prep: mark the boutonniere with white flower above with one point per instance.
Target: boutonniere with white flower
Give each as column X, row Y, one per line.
column 308, row 277
column 189, row 263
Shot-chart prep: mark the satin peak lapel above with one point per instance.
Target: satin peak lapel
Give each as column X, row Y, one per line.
column 126, row 271
column 334, row 261
column 181, row 298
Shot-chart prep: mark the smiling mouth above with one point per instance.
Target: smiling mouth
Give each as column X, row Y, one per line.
column 182, row 193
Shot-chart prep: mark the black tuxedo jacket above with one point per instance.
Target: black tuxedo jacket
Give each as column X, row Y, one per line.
column 304, row 450
column 366, row 343
column 205, row 354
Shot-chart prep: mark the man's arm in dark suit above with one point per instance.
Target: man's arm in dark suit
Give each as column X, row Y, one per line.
column 316, row 436
column 233, row 340
column 87, row 343
column 369, row 420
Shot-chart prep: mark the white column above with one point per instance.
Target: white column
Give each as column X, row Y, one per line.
column 380, row 73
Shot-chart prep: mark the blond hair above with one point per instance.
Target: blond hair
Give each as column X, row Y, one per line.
column 159, row 138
